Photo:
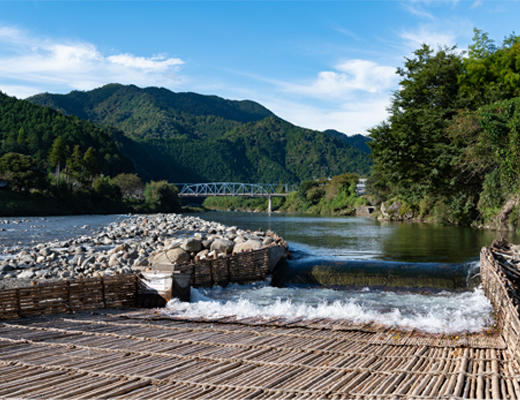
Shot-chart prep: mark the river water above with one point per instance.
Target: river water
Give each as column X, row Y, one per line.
column 435, row 269
column 347, row 245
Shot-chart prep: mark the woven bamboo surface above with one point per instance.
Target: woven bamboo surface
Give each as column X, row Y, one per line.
column 142, row 355
column 237, row 268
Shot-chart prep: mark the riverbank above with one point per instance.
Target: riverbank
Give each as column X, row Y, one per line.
column 126, row 247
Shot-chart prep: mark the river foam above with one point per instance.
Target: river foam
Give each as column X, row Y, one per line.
column 443, row 312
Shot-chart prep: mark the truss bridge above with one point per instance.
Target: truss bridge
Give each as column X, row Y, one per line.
column 268, row 190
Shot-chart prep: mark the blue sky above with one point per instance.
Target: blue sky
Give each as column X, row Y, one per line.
column 319, row 65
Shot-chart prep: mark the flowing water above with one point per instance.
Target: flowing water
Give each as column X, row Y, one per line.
column 410, row 275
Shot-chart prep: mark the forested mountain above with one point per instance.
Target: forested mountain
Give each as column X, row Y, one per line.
column 31, row 130
column 358, row 140
column 186, row 137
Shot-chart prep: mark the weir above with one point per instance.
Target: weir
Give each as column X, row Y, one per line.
column 132, row 353
column 384, row 274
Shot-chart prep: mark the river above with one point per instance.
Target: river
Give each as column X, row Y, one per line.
column 323, row 249
column 347, row 244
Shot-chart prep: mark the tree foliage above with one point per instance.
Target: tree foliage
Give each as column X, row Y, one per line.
column 21, row 172
column 162, row 197
column 452, row 138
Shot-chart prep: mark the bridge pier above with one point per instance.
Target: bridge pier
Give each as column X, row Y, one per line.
column 270, row 206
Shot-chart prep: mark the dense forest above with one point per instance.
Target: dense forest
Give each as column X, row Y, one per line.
column 56, row 164
column 450, row 150
column 187, row 137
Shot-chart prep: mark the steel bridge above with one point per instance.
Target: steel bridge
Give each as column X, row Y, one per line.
column 268, row 190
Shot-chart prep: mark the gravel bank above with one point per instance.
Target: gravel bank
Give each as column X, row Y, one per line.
column 127, row 247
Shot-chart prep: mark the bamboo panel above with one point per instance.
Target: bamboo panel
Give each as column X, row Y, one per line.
column 71, row 295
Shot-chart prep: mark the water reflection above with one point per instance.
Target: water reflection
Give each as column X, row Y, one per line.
column 356, row 238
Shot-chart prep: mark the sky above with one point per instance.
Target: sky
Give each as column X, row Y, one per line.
column 317, row 64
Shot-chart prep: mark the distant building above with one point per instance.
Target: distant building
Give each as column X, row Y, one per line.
column 360, row 187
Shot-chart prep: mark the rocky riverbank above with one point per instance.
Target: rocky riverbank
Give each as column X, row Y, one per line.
column 127, row 247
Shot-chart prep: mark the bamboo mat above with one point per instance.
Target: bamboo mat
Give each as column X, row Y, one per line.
column 141, row 354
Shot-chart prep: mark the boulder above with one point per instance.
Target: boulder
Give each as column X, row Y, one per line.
column 222, row 246
column 26, row 275
column 178, row 256
column 192, row 245
column 248, row 245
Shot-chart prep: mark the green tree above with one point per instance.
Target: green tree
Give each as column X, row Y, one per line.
column 130, row 184
column 91, row 163
column 412, row 152
column 106, row 187
column 58, row 155
column 75, row 165
column 162, row 197
column 21, row 172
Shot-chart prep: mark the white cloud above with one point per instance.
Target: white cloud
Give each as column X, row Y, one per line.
column 67, row 65
column 349, row 118
column 430, row 35
column 349, row 77
column 476, row 4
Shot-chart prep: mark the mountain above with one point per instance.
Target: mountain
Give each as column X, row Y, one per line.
column 188, row 137
column 358, row 140
column 31, row 129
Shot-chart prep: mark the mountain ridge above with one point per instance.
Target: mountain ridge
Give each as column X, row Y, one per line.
column 188, row 137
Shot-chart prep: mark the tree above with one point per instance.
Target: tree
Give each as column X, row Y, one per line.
column 21, row 172
column 91, row 163
column 106, row 187
column 412, row 151
column 130, row 184
column 75, row 165
column 58, row 155
column 162, row 197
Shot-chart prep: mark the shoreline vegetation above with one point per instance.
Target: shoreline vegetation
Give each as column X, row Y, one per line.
column 450, row 150
column 326, row 196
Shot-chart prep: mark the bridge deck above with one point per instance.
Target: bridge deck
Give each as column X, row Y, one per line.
column 141, row 355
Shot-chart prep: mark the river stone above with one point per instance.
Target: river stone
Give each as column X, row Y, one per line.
column 5, row 268
column 26, row 275
column 27, row 259
column 207, row 243
column 113, row 260
column 192, row 245
column 202, row 254
column 222, row 246
column 267, row 241
column 44, row 252
column 178, row 256
column 117, row 249
column 248, row 245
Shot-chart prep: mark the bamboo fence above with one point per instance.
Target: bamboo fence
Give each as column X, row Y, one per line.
column 69, row 296
column 237, row 268
column 500, row 280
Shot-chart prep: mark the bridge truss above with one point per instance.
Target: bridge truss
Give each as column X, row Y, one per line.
column 233, row 189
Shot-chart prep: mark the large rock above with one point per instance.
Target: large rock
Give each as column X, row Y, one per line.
column 26, row 275
column 192, row 245
column 222, row 246
column 248, row 245
column 174, row 256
